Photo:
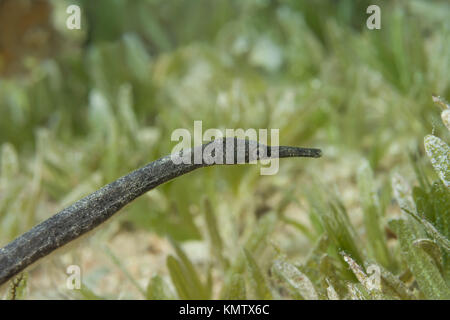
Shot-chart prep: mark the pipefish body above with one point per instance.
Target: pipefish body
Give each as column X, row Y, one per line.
column 94, row 209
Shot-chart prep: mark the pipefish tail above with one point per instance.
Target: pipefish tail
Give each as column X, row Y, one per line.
column 94, row 209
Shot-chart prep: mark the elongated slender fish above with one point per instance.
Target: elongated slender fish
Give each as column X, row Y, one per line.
column 89, row 212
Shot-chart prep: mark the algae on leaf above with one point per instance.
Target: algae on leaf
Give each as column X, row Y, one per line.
column 422, row 266
column 439, row 154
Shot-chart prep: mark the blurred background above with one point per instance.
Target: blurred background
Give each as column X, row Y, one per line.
column 80, row 108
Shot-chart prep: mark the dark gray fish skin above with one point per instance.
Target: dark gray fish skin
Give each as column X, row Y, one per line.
column 89, row 212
